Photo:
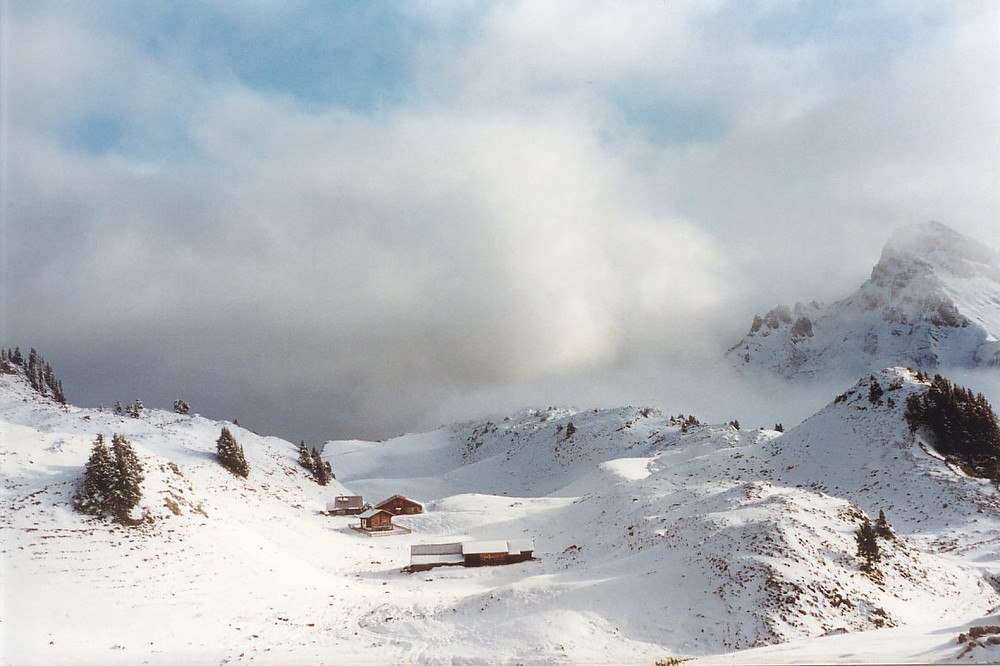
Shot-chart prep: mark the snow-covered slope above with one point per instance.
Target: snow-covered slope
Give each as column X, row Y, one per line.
column 933, row 301
column 655, row 536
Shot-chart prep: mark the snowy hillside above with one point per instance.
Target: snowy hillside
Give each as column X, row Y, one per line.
column 933, row 301
column 655, row 536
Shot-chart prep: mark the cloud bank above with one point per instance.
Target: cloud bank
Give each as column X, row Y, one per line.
column 351, row 224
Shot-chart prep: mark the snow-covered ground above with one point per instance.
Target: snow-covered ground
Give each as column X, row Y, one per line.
column 655, row 537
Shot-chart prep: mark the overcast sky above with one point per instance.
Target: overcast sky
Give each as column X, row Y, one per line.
column 354, row 219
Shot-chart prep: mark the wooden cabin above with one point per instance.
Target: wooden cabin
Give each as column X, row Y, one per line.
column 346, row 505
column 470, row 553
column 399, row 505
column 376, row 520
column 490, row 553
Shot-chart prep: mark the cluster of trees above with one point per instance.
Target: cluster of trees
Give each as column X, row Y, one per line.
column 38, row 372
column 867, row 537
column 964, row 426
column 112, row 481
column 133, row 409
column 231, row 455
column 313, row 462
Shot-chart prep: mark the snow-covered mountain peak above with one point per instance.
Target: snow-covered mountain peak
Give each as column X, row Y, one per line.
column 932, row 301
column 933, row 247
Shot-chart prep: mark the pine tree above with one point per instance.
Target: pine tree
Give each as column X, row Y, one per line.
column 231, row 455
column 305, row 458
column 181, row 406
column 882, row 528
column 126, row 489
column 112, row 481
column 321, row 470
column 93, row 496
column 868, row 548
column 875, row 391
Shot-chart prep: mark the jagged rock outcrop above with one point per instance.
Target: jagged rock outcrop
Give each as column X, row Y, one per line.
column 932, row 301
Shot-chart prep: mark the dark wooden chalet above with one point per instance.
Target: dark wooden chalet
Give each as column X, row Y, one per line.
column 399, row 505
column 346, row 505
column 376, row 520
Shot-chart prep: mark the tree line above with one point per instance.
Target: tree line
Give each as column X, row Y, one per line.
column 963, row 425
column 37, row 370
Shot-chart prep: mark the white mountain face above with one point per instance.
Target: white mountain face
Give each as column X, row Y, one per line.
column 933, row 301
column 655, row 536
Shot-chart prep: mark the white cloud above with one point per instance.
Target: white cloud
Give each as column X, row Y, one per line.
column 516, row 224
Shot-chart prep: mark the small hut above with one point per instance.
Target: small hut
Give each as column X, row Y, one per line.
column 346, row 505
column 376, row 520
column 400, row 505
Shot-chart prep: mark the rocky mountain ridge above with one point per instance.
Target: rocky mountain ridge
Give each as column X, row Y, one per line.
column 932, row 301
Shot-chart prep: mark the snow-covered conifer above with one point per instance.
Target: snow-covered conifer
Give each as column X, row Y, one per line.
column 305, row 458
column 231, row 454
column 126, row 489
column 93, row 495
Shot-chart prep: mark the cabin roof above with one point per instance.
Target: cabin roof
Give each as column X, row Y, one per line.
column 517, row 546
column 372, row 512
column 436, row 548
column 444, row 558
column 482, row 547
column 401, row 497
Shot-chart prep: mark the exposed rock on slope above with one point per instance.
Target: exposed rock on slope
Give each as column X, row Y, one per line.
column 933, row 301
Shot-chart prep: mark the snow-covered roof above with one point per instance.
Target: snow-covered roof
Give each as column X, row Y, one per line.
column 402, row 497
column 436, row 548
column 351, row 500
column 481, row 547
column 372, row 512
column 447, row 558
column 518, row 546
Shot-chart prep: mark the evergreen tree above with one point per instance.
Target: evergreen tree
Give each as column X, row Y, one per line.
column 181, row 407
column 305, row 458
column 231, row 455
column 868, row 548
column 322, row 470
column 112, row 481
column 126, row 488
column 882, row 528
column 875, row 391
column 93, row 496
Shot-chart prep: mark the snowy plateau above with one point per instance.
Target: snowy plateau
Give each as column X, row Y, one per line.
column 656, row 537
column 933, row 301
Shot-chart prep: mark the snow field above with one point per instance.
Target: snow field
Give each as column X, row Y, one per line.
column 654, row 538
